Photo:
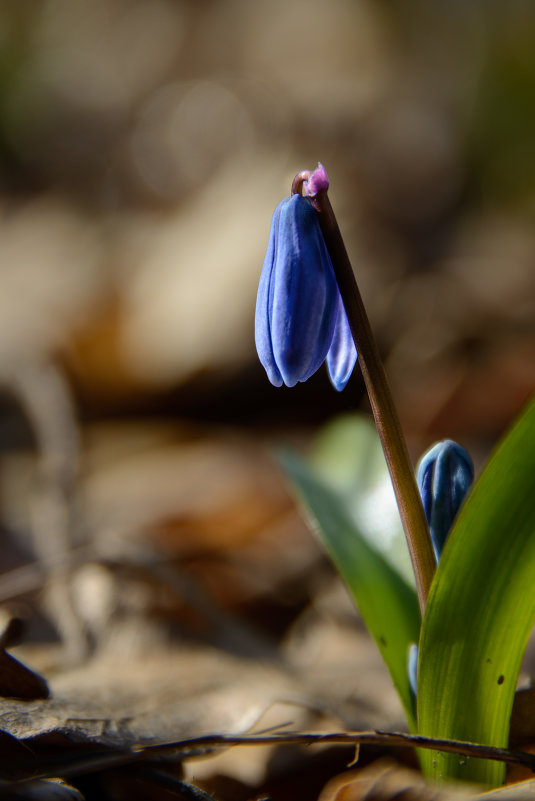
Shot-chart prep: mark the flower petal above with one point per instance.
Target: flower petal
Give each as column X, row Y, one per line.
column 342, row 354
column 262, row 316
column 297, row 301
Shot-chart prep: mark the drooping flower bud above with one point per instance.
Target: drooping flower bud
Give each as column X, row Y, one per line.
column 444, row 476
column 342, row 354
column 296, row 307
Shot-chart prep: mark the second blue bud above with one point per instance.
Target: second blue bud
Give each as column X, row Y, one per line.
column 445, row 474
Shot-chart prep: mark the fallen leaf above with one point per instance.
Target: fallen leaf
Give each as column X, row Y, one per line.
column 386, row 781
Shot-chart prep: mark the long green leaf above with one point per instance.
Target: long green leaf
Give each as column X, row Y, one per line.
column 481, row 611
column 386, row 602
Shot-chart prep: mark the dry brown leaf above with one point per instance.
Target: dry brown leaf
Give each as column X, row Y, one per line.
column 523, row 717
column 128, row 699
column 18, row 681
column 46, row 790
column 519, row 791
column 386, row 781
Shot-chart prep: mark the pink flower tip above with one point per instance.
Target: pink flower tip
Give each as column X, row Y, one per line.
column 317, row 182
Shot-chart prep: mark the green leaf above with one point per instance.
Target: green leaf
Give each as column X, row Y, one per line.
column 388, row 605
column 348, row 457
column 480, row 612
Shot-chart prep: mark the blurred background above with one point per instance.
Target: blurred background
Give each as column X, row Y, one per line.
column 143, row 148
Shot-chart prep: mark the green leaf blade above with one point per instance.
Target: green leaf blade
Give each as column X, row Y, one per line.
column 388, row 605
column 481, row 611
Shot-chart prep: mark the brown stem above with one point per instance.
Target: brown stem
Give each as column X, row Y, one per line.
column 299, row 180
column 382, row 404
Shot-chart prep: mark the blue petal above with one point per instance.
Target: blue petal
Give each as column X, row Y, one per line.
column 412, row 667
column 262, row 317
column 342, row 354
column 445, row 475
column 296, row 305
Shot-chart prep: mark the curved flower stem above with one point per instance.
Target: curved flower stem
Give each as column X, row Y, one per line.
column 300, row 179
column 382, row 404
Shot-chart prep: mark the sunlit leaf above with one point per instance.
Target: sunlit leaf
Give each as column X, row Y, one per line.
column 348, row 456
column 386, row 602
column 481, row 611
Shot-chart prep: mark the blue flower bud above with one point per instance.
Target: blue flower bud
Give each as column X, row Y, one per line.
column 296, row 307
column 342, row 354
column 412, row 667
column 444, row 476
